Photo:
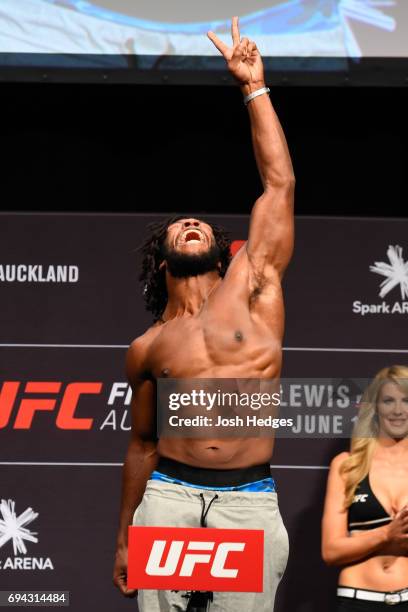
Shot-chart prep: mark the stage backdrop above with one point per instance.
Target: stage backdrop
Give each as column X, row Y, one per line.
column 71, row 304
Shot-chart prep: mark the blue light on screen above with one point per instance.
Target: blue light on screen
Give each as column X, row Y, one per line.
column 293, row 28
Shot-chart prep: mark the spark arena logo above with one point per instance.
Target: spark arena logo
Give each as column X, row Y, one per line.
column 395, row 273
column 13, row 528
column 67, row 406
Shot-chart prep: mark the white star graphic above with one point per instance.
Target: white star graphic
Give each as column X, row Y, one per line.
column 396, row 272
column 12, row 526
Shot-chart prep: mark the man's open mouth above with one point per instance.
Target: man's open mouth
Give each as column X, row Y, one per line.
column 192, row 236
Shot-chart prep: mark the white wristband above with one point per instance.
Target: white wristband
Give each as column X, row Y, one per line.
column 255, row 94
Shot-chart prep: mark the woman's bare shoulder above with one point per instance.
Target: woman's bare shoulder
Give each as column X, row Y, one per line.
column 338, row 460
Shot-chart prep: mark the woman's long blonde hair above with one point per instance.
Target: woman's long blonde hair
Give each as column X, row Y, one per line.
column 357, row 465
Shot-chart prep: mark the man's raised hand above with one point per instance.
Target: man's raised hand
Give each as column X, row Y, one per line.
column 243, row 58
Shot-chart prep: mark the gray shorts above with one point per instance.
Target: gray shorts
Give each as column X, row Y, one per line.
column 173, row 505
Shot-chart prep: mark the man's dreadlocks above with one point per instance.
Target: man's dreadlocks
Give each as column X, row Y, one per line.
column 153, row 279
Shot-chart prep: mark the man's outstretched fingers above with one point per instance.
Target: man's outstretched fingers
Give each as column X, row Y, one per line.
column 235, row 31
column 221, row 46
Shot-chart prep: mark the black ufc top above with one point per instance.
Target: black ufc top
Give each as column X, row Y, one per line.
column 366, row 512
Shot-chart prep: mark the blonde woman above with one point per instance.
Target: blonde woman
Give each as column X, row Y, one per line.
column 365, row 521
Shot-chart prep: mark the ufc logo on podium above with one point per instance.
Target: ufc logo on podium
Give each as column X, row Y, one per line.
column 202, row 559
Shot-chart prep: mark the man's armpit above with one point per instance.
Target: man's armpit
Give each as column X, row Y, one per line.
column 253, row 296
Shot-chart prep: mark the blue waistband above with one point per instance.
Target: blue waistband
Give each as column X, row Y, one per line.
column 266, row 485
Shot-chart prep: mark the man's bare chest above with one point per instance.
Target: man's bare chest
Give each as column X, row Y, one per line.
column 207, row 346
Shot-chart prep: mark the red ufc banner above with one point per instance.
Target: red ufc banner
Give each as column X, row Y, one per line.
column 195, row 559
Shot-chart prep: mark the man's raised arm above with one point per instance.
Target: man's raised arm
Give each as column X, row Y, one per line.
column 270, row 241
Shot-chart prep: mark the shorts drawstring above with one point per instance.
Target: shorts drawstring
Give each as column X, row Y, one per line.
column 199, row 601
column 204, row 511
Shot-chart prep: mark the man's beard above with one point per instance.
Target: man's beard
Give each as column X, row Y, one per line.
column 183, row 265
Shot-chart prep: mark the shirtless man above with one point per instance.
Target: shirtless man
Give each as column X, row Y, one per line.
column 213, row 326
